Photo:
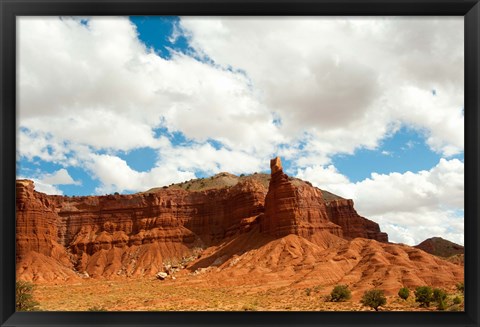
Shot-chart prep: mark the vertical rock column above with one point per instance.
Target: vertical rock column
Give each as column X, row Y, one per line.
column 291, row 209
column 281, row 205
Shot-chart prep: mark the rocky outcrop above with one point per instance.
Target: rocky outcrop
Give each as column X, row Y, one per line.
column 291, row 209
column 38, row 226
column 302, row 210
column 342, row 213
column 129, row 235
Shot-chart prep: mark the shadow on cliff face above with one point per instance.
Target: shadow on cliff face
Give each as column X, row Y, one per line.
column 216, row 255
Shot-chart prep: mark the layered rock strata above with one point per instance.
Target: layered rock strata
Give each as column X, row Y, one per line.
column 136, row 234
column 38, row 227
column 131, row 234
column 293, row 209
column 302, row 210
column 342, row 213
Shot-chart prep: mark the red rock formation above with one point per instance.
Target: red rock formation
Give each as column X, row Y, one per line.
column 37, row 226
column 39, row 254
column 302, row 210
column 128, row 235
column 342, row 213
column 361, row 264
column 131, row 234
column 293, row 209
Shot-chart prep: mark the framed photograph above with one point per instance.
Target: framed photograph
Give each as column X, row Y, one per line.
column 239, row 163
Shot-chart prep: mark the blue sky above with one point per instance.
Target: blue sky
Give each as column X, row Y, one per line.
column 159, row 100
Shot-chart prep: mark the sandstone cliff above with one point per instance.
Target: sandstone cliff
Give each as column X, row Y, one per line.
column 131, row 235
column 291, row 209
column 301, row 209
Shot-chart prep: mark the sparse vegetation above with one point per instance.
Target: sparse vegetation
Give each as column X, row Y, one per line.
column 374, row 299
column 340, row 293
column 317, row 288
column 461, row 287
column 441, row 306
column 457, row 300
column 404, row 293
column 455, row 307
column 189, row 293
column 96, row 309
column 24, row 297
column 424, row 295
column 250, row 306
column 439, row 295
column 308, row 291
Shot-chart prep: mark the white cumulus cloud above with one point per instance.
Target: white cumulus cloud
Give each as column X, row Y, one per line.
column 427, row 203
column 345, row 80
column 305, row 88
column 60, row 177
column 48, row 182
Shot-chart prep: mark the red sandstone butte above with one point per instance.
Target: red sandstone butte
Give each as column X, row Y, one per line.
column 302, row 210
column 133, row 235
column 129, row 234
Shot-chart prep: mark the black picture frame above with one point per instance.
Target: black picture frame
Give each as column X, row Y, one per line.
column 9, row 9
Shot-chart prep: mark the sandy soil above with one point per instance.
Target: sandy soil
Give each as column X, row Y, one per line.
column 201, row 293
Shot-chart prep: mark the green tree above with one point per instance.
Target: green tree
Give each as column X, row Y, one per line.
column 23, row 297
column 424, row 295
column 439, row 295
column 340, row 293
column 404, row 293
column 374, row 299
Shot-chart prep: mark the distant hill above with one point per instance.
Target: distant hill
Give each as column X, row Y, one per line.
column 440, row 247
